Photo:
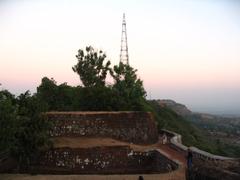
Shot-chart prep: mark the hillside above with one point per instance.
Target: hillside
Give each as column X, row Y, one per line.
column 176, row 107
column 168, row 119
column 223, row 132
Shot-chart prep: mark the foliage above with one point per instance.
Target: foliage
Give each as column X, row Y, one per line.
column 91, row 67
column 128, row 88
column 127, row 92
column 223, row 131
column 25, row 131
column 59, row 97
column 8, row 114
column 98, row 99
column 47, row 91
column 192, row 136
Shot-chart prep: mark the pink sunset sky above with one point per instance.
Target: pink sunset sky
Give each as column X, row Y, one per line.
column 188, row 51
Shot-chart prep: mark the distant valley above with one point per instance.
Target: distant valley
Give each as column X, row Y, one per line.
column 225, row 130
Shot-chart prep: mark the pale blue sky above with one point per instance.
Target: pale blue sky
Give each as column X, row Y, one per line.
column 188, row 51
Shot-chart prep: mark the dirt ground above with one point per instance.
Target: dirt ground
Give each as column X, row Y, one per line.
column 170, row 176
column 87, row 142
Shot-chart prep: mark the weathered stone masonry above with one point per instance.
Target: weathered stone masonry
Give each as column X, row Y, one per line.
column 102, row 160
column 135, row 127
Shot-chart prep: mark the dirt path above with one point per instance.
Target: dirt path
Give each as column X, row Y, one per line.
column 172, row 153
column 86, row 142
column 92, row 177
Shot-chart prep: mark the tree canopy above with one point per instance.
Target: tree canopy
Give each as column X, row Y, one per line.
column 126, row 93
column 25, row 131
column 91, row 67
column 128, row 87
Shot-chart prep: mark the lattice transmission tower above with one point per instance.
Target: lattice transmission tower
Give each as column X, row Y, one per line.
column 124, row 58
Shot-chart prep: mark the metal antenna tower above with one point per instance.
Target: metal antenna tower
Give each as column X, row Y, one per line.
column 124, row 46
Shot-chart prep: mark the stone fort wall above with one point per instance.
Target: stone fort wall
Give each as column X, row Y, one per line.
column 102, row 160
column 135, row 127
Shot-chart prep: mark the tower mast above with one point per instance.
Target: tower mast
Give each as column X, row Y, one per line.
column 124, row 58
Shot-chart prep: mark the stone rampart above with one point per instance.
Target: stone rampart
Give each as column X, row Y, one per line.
column 135, row 127
column 102, row 160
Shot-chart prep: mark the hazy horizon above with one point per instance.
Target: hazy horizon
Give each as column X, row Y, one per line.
column 187, row 51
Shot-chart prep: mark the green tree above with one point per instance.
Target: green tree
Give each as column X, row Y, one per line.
column 128, row 87
column 31, row 134
column 47, row 92
column 99, row 98
column 8, row 115
column 23, row 129
column 59, row 97
column 91, row 67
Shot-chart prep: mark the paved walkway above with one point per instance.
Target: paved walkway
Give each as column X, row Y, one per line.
column 173, row 154
column 178, row 174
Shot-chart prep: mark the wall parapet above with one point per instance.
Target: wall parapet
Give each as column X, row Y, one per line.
column 176, row 141
column 134, row 127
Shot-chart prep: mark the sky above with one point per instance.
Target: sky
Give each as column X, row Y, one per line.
column 184, row 50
